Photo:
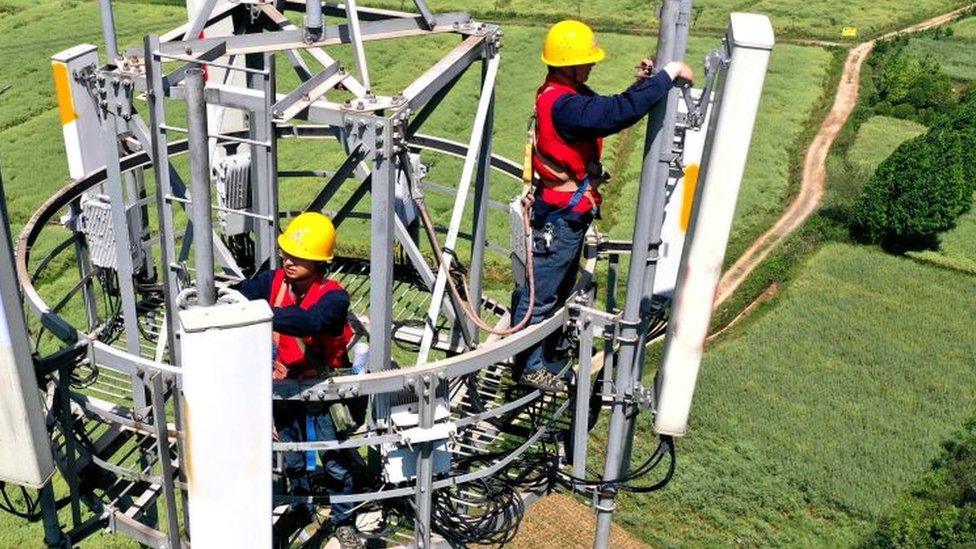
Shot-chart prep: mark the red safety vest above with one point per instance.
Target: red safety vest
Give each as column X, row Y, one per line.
column 307, row 357
column 574, row 157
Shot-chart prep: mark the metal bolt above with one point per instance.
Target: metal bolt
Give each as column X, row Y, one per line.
column 321, row 395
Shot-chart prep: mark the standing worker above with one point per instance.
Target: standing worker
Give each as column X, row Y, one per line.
column 311, row 332
column 571, row 121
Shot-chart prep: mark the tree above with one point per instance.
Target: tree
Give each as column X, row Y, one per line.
column 915, row 194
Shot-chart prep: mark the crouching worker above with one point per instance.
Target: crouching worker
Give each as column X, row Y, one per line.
column 571, row 121
column 311, row 333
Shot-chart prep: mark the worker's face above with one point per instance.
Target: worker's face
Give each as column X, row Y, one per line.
column 296, row 268
column 578, row 73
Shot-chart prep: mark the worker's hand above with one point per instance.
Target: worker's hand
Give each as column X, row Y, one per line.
column 645, row 68
column 274, row 435
column 679, row 70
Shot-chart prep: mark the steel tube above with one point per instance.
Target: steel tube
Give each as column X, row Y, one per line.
column 581, row 414
column 108, row 31
column 53, row 537
column 423, row 497
column 313, row 20
column 659, row 154
column 352, row 13
column 474, row 147
column 158, row 393
column 482, row 195
column 649, row 197
column 200, row 214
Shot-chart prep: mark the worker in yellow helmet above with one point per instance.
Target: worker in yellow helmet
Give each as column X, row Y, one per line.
column 311, row 332
column 571, row 121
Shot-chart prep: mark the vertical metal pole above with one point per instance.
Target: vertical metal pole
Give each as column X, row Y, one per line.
column 165, row 461
column 67, row 421
column 120, row 222
column 108, row 31
column 179, row 423
column 352, row 14
column 145, row 234
column 313, row 20
column 426, row 408
column 664, row 147
column 641, row 252
column 581, row 417
column 482, row 196
column 609, row 355
column 381, row 246
column 200, row 210
column 163, row 175
column 84, row 269
column 264, row 170
column 53, row 537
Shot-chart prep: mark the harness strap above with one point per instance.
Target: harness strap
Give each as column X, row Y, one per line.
column 573, row 201
column 310, row 436
column 280, row 369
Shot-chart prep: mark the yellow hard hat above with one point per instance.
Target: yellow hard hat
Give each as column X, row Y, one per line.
column 571, row 43
column 309, row 236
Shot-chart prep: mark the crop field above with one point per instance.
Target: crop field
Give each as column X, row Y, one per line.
column 814, row 417
column 822, row 19
column 956, row 53
column 877, row 138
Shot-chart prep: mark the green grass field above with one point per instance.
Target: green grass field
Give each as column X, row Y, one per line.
column 812, row 418
column 807, row 422
column 814, row 19
column 877, row 138
column 956, row 56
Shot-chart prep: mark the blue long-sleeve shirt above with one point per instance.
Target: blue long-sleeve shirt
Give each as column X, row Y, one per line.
column 586, row 115
column 328, row 316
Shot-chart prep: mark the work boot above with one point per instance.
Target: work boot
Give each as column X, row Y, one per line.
column 349, row 538
column 289, row 523
column 544, row 380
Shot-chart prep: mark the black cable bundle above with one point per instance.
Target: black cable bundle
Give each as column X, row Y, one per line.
column 490, row 518
column 30, row 511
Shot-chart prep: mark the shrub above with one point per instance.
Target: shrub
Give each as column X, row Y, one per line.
column 916, row 193
column 904, row 110
column 941, row 511
column 960, row 123
column 905, row 82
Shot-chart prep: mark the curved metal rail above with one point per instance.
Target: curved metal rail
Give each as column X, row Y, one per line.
column 475, row 416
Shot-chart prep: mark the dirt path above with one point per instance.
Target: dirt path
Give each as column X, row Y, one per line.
column 815, row 163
